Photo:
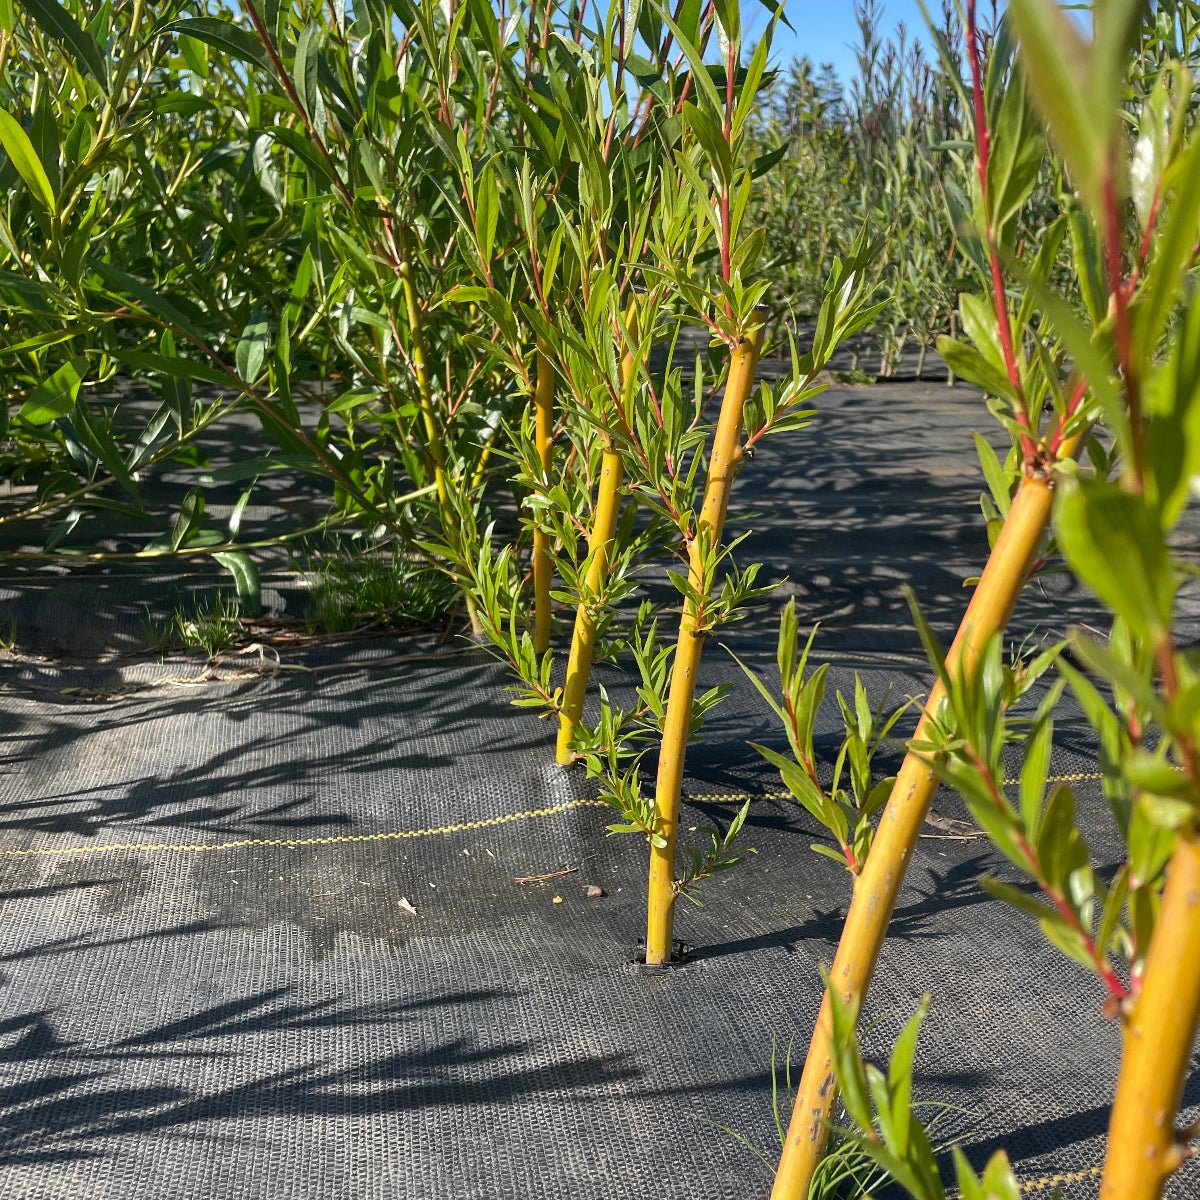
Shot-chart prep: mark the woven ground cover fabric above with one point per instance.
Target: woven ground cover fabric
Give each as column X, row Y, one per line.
column 320, row 928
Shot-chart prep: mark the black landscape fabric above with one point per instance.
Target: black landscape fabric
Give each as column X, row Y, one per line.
column 327, row 926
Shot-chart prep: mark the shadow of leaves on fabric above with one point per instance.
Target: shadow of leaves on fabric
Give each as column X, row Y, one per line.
column 67, row 1113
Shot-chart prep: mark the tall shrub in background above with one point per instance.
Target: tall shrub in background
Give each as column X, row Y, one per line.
column 372, row 103
column 120, row 183
column 164, row 172
column 602, row 208
column 881, row 151
column 632, row 225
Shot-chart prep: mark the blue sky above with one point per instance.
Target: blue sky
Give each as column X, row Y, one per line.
column 825, row 29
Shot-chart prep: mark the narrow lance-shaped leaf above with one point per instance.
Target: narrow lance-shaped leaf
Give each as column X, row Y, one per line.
column 21, row 153
column 97, row 439
column 1017, row 152
column 223, row 35
column 1173, row 249
column 1115, row 544
column 187, row 520
column 126, row 286
column 1057, row 62
column 57, row 23
column 245, row 577
column 252, row 349
column 56, row 395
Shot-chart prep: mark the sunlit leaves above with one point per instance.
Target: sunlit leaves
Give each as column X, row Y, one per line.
column 983, row 361
column 1150, row 151
column 252, row 349
column 968, row 363
column 94, row 433
column 22, row 155
column 187, row 521
column 1077, row 84
column 718, row 856
column 1115, row 544
column 303, row 149
column 880, row 1105
column 55, row 396
column 222, row 35
column 1174, row 248
column 59, row 24
column 245, row 577
column 125, row 285
column 848, row 806
column 306, row 73
column 1016, row 157
column 1173, row 433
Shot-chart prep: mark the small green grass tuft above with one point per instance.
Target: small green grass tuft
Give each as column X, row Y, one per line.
column 848, row 1170
column 209, row 626
column 855, row 376
column 378, row 587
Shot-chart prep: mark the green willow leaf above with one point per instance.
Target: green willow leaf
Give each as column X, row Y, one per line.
column 1173, row 249
column 100, row 442
column 55, row 396
column 126, row 286
column 246, row 579
column 967, row 363
column 303, row 149
column 187, row 520
column 1057, row 64
column 21, row 153
column 57, row 23
column 170, row 366
column 306, row 72
column 252, row 349
column 1115, row 544
column 1017, row 152
column 702, row 80
column 222, row 35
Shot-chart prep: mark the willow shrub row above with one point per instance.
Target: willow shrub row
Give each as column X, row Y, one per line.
column 1122, row 347
column 494, row 236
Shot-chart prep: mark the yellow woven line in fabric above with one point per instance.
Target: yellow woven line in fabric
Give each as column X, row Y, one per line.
column 734, row 797
column 531, row 814
column 337, row 840
column 741, row 797
column 1045, row 1182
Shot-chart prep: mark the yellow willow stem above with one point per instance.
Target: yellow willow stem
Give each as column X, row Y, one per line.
column 722, row 466
column 485, row 456
column 600, row 543
column 1142, row 1146
column 543, row 560
column 583, row 639
column 876, row 889
column 433, row 435
column 416, row 331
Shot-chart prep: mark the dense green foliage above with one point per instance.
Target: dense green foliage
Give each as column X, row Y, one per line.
column 884, row 152
column 365, row 229
column 1111, row 340
column 230, row 205
column 371, row 229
